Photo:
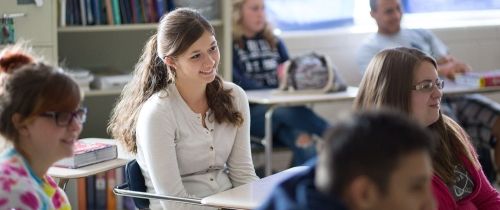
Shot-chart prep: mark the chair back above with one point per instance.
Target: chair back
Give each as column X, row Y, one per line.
column 136, row 182
column 135, row 187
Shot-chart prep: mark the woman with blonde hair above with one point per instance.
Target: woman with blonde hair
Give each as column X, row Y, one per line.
column 257, row 53
column 406, row 79
column 189, row 128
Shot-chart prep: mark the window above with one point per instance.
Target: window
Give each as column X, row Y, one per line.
column 290, row 15
column 306, row 15
column 420, row 6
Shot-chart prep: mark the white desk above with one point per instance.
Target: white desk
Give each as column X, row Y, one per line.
column 275, row 99
column 68, row 173
column 451, row 88
column 251, row 195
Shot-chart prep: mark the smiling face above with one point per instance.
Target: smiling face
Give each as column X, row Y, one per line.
column 253, row 17
column 199, row 63
column 388, row 16
column 43, row 138
column 425, row 104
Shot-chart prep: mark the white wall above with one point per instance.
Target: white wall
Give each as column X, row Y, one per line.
column 479, row 46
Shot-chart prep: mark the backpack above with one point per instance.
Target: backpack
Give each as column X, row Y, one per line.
column 311, row 72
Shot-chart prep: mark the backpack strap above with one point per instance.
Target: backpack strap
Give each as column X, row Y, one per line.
column 283, row 81
column 331, row 73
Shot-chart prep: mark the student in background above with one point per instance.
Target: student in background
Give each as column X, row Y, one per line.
column 189, row 128
column 478, row 115
column 364, row 164
column 406, row 79
column 257, row 53
column 40, row 115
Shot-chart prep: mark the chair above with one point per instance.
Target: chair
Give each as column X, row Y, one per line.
column 135, row 187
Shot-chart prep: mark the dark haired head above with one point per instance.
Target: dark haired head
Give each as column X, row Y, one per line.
column 370, row 144
column 29, row 88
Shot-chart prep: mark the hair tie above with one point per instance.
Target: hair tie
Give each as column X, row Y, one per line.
column 13, row 60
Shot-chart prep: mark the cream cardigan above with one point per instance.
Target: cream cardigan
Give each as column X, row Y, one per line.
column 179, row 157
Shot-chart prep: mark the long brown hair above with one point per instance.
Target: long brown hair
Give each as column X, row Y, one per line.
column 29, row 88
column 177, row 31
column 238, row 31
column 388, row 83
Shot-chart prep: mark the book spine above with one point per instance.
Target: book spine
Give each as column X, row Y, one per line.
column 70, row 19
column 170, row 5
column 128, row 11
column 100, row 191
column 111, row 183
column 82, row 193
column 123, row 11
column 144, row 10
column 152, row 11
column 76, row 12
column 83, row 13
column 119, row 180
column 161, row 8
column 96, row 12
column 109, row 12
column 133, row 10
column 62, row 14
column 89, row 10
column 116, row 12
column 492, row 81
column 470, row 81
column 91, row 192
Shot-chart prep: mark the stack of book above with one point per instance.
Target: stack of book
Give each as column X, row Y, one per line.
column 87, row 153
column 110, row 82
column 82, row 77
column 479, row 79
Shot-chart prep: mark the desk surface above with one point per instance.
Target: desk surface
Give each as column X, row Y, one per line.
column 450, row 88
column 69, row 173
column 273, row 97
column 251, row 195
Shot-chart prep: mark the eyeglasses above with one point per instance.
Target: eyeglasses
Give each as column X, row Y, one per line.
column 63, row 119
column 428, row 86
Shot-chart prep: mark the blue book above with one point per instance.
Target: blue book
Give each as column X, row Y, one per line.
column 96, row 11
column 161, row 8
column 91, row 192
column 89, row 11
column 128, row 11
column 170, row 5
column 76, row 12
column 100, row 190
column 70, row 17
column 123, row 12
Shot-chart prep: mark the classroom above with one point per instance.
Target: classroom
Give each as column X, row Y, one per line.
column 240, row 104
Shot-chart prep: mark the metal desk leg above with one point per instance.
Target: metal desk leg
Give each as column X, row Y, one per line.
column 62, row 183
column 268, row 138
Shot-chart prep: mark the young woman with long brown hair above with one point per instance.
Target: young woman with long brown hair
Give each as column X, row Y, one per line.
column 406, row 79
column 189, row 129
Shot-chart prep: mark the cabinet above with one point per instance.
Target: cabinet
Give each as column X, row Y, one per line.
column 37, row 26
column 119, row 47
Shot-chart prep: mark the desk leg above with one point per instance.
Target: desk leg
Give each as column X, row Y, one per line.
column 63, row 183
column 268, row 144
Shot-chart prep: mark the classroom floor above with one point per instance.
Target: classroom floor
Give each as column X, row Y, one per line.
column 280, row 161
